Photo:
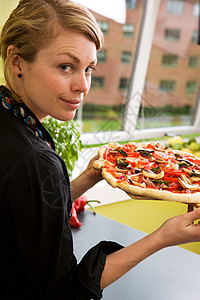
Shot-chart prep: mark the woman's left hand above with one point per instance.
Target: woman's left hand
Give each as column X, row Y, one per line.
column 86, row 180
column 93, row 174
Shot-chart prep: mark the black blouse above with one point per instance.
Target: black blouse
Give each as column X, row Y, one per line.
column 36, row 253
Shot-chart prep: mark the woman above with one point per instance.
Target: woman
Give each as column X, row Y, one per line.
column 49, row 52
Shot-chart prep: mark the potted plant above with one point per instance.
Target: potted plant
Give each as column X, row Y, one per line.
column 67, row 141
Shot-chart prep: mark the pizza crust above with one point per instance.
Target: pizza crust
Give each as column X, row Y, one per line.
column 137, row 192
column 154, row 194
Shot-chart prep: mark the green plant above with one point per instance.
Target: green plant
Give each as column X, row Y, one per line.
column 67, row 140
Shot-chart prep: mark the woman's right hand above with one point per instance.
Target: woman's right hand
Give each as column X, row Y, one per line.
column 180, row 229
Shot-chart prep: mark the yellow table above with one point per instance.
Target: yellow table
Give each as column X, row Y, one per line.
column 145, row 215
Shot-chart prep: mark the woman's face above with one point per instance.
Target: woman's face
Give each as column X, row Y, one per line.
column 58, row 80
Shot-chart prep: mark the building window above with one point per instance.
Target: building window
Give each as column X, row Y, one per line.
column 97, row 83
column 169, row 60
column 101, row 56
column 193, row 61
column 175, row 7
column 128, row 30
column 131, row 4
column 196, row 9
column 191, row 87
column 172, row 34
column 195, row 37
column 104, row 26
column 167, row 86
column 126, row 57
column 124, row 84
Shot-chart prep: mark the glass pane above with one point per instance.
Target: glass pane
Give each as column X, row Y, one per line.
column 103, row 108
column 173, row 75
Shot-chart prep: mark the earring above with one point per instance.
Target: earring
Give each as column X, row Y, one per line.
column 19, row 75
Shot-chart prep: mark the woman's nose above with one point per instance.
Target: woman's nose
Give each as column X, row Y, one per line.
column 81, row 83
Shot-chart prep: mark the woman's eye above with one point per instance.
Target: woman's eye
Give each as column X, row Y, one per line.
column 66, row 68
column 89, row 70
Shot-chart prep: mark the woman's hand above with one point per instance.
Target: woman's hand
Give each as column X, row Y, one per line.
column 93, row 174
column 85, row 180
column 180, row 230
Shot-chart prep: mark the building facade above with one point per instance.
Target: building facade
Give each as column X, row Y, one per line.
column 173, row 72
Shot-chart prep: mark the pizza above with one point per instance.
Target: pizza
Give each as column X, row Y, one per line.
column 151, row 171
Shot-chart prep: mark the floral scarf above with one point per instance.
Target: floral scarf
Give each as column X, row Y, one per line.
column 22, row 112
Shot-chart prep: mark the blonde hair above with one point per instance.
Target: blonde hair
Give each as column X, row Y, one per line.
column 33, row 24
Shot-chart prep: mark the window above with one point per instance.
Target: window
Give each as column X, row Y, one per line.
column 169, row 60
column 145, row 82
column 104, row 26
column 175, row 7
column 131, row 4
column 107, row 93
column 194, row 37
column 191, row 87
column 193, row 61
column 97, row 83
column 170, row 101
column 167, row 86
column 126, row 57
column 101, row 56
column 124, row 84
column 172, row 34
column 196, row 9
column 128, row 30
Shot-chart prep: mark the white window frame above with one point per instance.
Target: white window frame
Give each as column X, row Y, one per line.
column 141, row 61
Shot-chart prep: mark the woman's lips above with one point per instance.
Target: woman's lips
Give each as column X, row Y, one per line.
column 74, row 104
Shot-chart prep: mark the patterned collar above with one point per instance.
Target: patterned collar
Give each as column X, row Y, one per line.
column 22, row 112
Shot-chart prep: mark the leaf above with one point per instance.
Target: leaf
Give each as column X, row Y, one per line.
column 67, row 141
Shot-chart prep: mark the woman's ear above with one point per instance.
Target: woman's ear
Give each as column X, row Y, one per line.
column 15, row 61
